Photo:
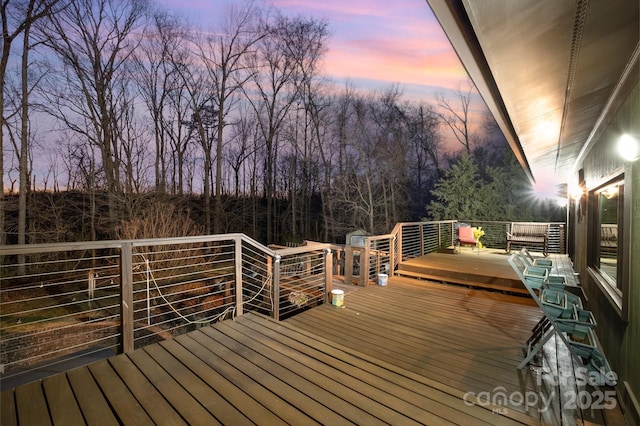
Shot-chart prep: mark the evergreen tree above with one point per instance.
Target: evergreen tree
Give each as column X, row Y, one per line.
column 460, row 193
column 506, row 191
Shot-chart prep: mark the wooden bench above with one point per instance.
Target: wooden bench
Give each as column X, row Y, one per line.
column 609, row 240
column 528, row 233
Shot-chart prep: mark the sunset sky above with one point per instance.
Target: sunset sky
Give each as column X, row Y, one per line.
column 373, row 44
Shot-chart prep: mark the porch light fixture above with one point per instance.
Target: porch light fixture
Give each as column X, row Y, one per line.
column 628, row 147
column 610, row 192
column 575, row 191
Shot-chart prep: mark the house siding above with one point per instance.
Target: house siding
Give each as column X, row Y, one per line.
column 619, row 336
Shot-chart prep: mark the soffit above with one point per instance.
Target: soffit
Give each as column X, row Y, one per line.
column 547, row 69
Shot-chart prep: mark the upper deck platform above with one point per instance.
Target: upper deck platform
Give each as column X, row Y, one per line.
column 484, row 268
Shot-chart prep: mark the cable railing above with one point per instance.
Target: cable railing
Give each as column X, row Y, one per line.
column 382, row 254
column 65, row 302
column 496, row 231
column 69, row 301
column 54, row 307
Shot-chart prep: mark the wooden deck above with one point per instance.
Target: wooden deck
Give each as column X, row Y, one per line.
column 408, row 353
column 484, row 268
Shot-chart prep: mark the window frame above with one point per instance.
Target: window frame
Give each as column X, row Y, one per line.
column 617, row 293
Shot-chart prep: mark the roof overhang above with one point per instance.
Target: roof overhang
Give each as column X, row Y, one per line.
column 550, row 71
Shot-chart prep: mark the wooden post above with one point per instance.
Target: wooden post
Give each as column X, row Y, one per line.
column 348, row 265
column 421, row 230
column 126, row 296
column 452, row 233
column 328, row 275
column 364, row 264
column 238, row 275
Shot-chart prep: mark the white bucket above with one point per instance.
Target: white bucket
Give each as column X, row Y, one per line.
column 337, row 297
column 383, row 279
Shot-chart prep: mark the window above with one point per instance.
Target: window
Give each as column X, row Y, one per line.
column 606, row 248
column 609, row 212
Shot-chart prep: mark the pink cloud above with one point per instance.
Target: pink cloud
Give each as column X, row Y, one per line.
column 396, row 41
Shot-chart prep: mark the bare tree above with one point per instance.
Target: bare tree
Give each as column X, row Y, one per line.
column 321, row 117
column 168, row 82
column 392, row 141
column 175, row 113
column 133, row 141
column 424, row 160
column 456, row 116
column 240, row 149
column 370, row 186
column 224, row 54
column 308, row 46
column 276, row 77
column 203, row 124
column 17, row 19
column 164, row 41
column 94, row 41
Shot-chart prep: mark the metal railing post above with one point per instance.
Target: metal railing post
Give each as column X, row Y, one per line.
column 238, row 274
column 276, row 287
column 392, row 255
column 126, row 296
column 399, row 244
column 328, row 274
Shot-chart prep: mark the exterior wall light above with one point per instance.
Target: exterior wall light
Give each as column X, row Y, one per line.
column 628, row 147
column 575, row 191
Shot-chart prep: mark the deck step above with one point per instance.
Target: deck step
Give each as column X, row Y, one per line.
column 485, row 269
column 460, row 281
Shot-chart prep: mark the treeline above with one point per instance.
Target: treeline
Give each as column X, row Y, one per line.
column 234, row 127
column 78, row 216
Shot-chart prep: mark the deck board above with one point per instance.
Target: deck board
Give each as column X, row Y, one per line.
column 8, row 415
column 189, row 408
column 253, row 410
column 153, row 403
column 297, row 389
column 263, row 396
column 377, row 393
column 197, row 388
column 96, row 411
column 406, row 353
column 359, row 410
column 61, row 402
column 468, row 339
column 32, row 405
column 125, row 405
column 345, row 369
column 486, row 268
